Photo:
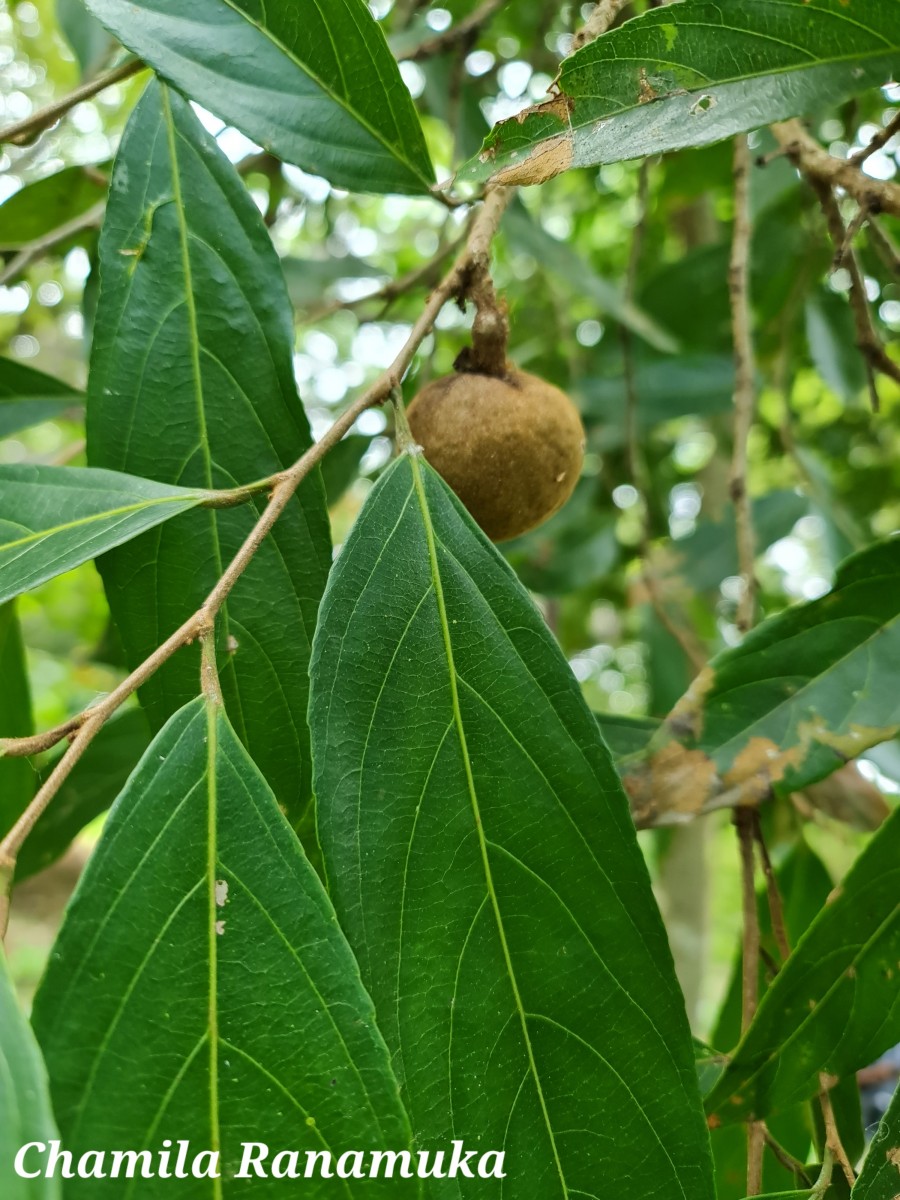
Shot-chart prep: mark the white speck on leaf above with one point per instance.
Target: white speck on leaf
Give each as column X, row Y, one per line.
column 221, row 893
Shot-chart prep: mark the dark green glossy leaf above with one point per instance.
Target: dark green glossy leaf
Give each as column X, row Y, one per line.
column 55, row 518
column 484, row 866
column 48, row 203
column 805, row 691
column 192, row 383
column 89, row 790
column 24, row 1103
column 28, row 397
column 879, row 1178
column 691, row 74
column 834, row 1006
column 16, row 774
column 316, row 85
column 200, row 987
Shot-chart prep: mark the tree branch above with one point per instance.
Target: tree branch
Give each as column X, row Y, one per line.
column 39, row 247
column 877, row 359
column 23, row 131
column 746, row 820
column 833, row 1141
column 744, row 381
column 461, row 32
column 83, row 727
column 637, row 464
column 598, row 22
column 814, row 162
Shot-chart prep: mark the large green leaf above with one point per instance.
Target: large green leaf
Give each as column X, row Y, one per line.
column 879, row 1178
column 694, row 73
column 24, row 1103
column 192, row 383
column 16, row 774
column 88, row 790
column 314, row 83
column 200, row 988
column 28, row 397
column 484, row 866
column 834, row 1007
column 803, row 693
column 55, row 518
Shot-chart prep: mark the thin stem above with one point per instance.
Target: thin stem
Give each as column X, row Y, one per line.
column 814, row 162
column 875, row 357
column 744, row 383
column 85, row 725
column 463, row 31
column 832, row 1136
column 879, row 141
column 37, row 248
column 823, row 1183
column 745, row 821
column 23, row 131
column 209, row 674
column 773, row 893
column 787, row 1160
column 637, row 465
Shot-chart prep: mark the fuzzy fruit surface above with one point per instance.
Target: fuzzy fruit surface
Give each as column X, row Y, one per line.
column 511, row 448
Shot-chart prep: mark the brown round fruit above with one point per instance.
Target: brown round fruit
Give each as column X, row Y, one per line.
column 511, row 448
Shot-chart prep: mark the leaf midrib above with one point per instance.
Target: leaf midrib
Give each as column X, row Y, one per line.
column 138, row 506
column 863, row 646
column 473, row 797
column 354, row 114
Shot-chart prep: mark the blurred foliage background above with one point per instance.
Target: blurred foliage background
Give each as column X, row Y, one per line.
column 637, row 576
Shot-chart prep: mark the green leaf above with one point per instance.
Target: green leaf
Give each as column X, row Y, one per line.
column 575, row 272
column 341, row 465
column 48, row 203
column 572, row 550
column 879, row 1178
column 833, row 1008
column 192, row 383
column 200, row 988
column 55, row 518
column 805, row 691
column 484, row 866
column 666, row 388
column 708, row 555
column 28, row 397
column 16, row 774
column 691, row 74
column 84, row 33
column 805, row 885
column 831, row 334
column 317, row 87
column 626, row 735
column 88, row 791
column 24, row 1102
